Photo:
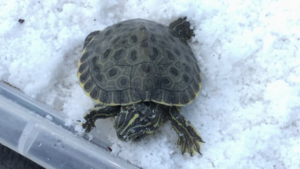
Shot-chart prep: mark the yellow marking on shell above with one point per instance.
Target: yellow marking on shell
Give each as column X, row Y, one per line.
column 112, row 103
column 81, row 84
column 87, row 93
column 200, row 85
column 79, row 62
column 97, row 100
column 130, row 102
column 180, row 104
column 170, row 104
column 130, row 122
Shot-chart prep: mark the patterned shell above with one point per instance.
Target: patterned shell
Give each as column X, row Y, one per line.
column 138, row 60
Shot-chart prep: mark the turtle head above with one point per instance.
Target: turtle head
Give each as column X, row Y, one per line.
column 138, row 121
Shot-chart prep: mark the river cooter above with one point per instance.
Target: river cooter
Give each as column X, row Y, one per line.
column 141, row 72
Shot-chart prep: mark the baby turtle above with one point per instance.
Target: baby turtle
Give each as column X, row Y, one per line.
column 141, row 72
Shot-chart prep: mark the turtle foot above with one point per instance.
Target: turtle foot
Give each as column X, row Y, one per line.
column 98, row 112
column 181, row 28
column 189, row 140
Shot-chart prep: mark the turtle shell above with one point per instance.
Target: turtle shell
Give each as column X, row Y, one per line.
column 138, row 61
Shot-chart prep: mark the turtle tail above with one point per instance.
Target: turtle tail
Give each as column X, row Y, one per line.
column 181, row 28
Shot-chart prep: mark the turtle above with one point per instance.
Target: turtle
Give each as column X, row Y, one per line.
column 141, row 73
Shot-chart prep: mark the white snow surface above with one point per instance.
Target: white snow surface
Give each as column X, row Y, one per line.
column 248, row 111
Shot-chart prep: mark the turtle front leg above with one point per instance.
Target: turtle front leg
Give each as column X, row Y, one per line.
column 99, row 112
column 189, row 140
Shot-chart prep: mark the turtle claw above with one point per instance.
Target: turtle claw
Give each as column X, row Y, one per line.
column 190, row 142
column 88, row 125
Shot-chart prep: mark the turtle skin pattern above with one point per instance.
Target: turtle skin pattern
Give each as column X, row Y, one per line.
column 138, row 61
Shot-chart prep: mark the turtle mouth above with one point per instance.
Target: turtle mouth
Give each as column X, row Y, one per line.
column 133, row 136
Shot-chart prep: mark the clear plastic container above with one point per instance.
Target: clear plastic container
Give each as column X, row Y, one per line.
column 38, row 133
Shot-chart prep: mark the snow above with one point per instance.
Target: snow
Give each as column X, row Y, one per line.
column 49, row 117
column 248, row 111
